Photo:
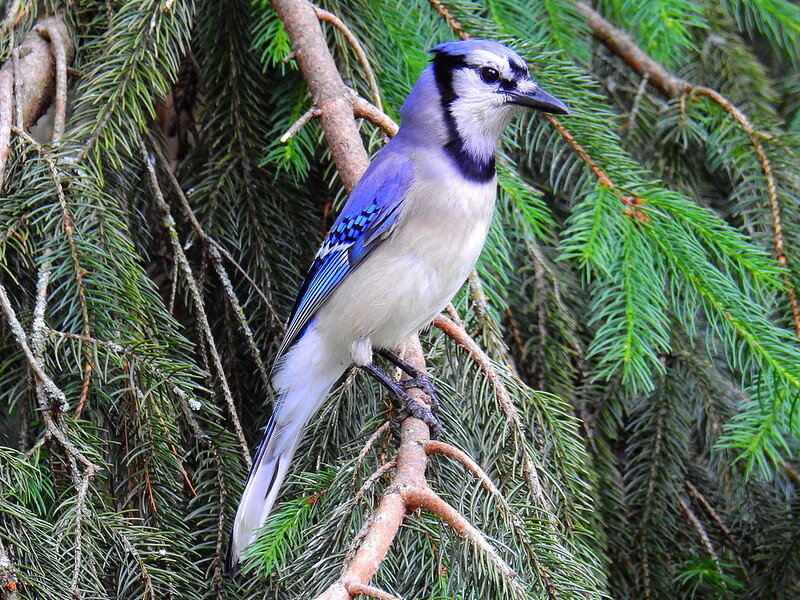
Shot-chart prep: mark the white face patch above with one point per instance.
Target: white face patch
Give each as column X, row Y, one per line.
column 480, row 110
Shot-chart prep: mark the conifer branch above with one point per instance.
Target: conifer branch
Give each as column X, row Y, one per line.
column 194, row 289
column 621, row 44
column 334, row 20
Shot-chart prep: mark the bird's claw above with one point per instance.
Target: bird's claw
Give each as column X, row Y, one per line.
column 408, row 406
column 422, row 382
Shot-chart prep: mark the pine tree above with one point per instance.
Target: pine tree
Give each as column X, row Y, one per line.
column 618, row 379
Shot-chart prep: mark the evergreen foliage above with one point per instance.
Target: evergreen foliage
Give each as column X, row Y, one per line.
column 633, row 311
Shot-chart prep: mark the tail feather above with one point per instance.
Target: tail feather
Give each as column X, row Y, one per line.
column 304, row 378
column 259, row 496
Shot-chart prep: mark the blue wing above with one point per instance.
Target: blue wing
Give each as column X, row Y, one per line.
column 365, row 221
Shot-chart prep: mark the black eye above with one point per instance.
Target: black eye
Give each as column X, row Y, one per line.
column 490, row 75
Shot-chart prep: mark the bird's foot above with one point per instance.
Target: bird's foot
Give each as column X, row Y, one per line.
column 423, row 382
column 408, row 406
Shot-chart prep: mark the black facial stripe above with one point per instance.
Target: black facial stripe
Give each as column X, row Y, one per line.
column 517, row 68
column 478, row 170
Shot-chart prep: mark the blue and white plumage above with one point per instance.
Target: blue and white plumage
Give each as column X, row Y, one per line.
column 403, row 245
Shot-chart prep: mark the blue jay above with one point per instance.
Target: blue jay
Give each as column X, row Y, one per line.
column 403, row 245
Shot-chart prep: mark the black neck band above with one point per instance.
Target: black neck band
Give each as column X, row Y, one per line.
column 479, row 170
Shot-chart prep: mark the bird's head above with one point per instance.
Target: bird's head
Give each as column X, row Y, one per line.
column 483, row 78
column 468, row 95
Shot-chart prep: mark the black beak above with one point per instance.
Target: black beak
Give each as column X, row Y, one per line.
column 539, row 100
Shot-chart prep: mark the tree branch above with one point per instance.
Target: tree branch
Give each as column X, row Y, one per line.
column 331, row 18
column 328, row 91
column 621, row 44
column 28, row 80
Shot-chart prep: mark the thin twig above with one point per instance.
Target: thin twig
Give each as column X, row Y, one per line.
column 80, row 508
column 772, row 191
column 206, row 238
column 194, row 289
column 69, row 231
column 437, row 447
column 529, row 469
column 329, row 17
column 372, row 479
column 375, row 115
column 427, row 499
column 449, row 19
column 311, row 113
column 698, row 526
column 371, row 441
column 711, row 512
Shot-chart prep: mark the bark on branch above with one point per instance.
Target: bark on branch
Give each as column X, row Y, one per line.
column 28, row 81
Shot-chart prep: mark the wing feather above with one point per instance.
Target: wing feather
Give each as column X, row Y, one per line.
column 365, row 221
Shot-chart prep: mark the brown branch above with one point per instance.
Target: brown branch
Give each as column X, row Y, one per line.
column 59, row 47
column 327, row 89
column 311, row 113
column 376, row 116
column 698, row 526
column 458, row 455
column 359, row 589
column 449, row 19
column 329, row 17
column 621, row 44
column 427, row 499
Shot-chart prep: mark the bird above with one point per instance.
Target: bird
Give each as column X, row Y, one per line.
column 403, row 245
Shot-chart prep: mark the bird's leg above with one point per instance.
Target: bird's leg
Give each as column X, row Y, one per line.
column 407, row 406
column 418, row 379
